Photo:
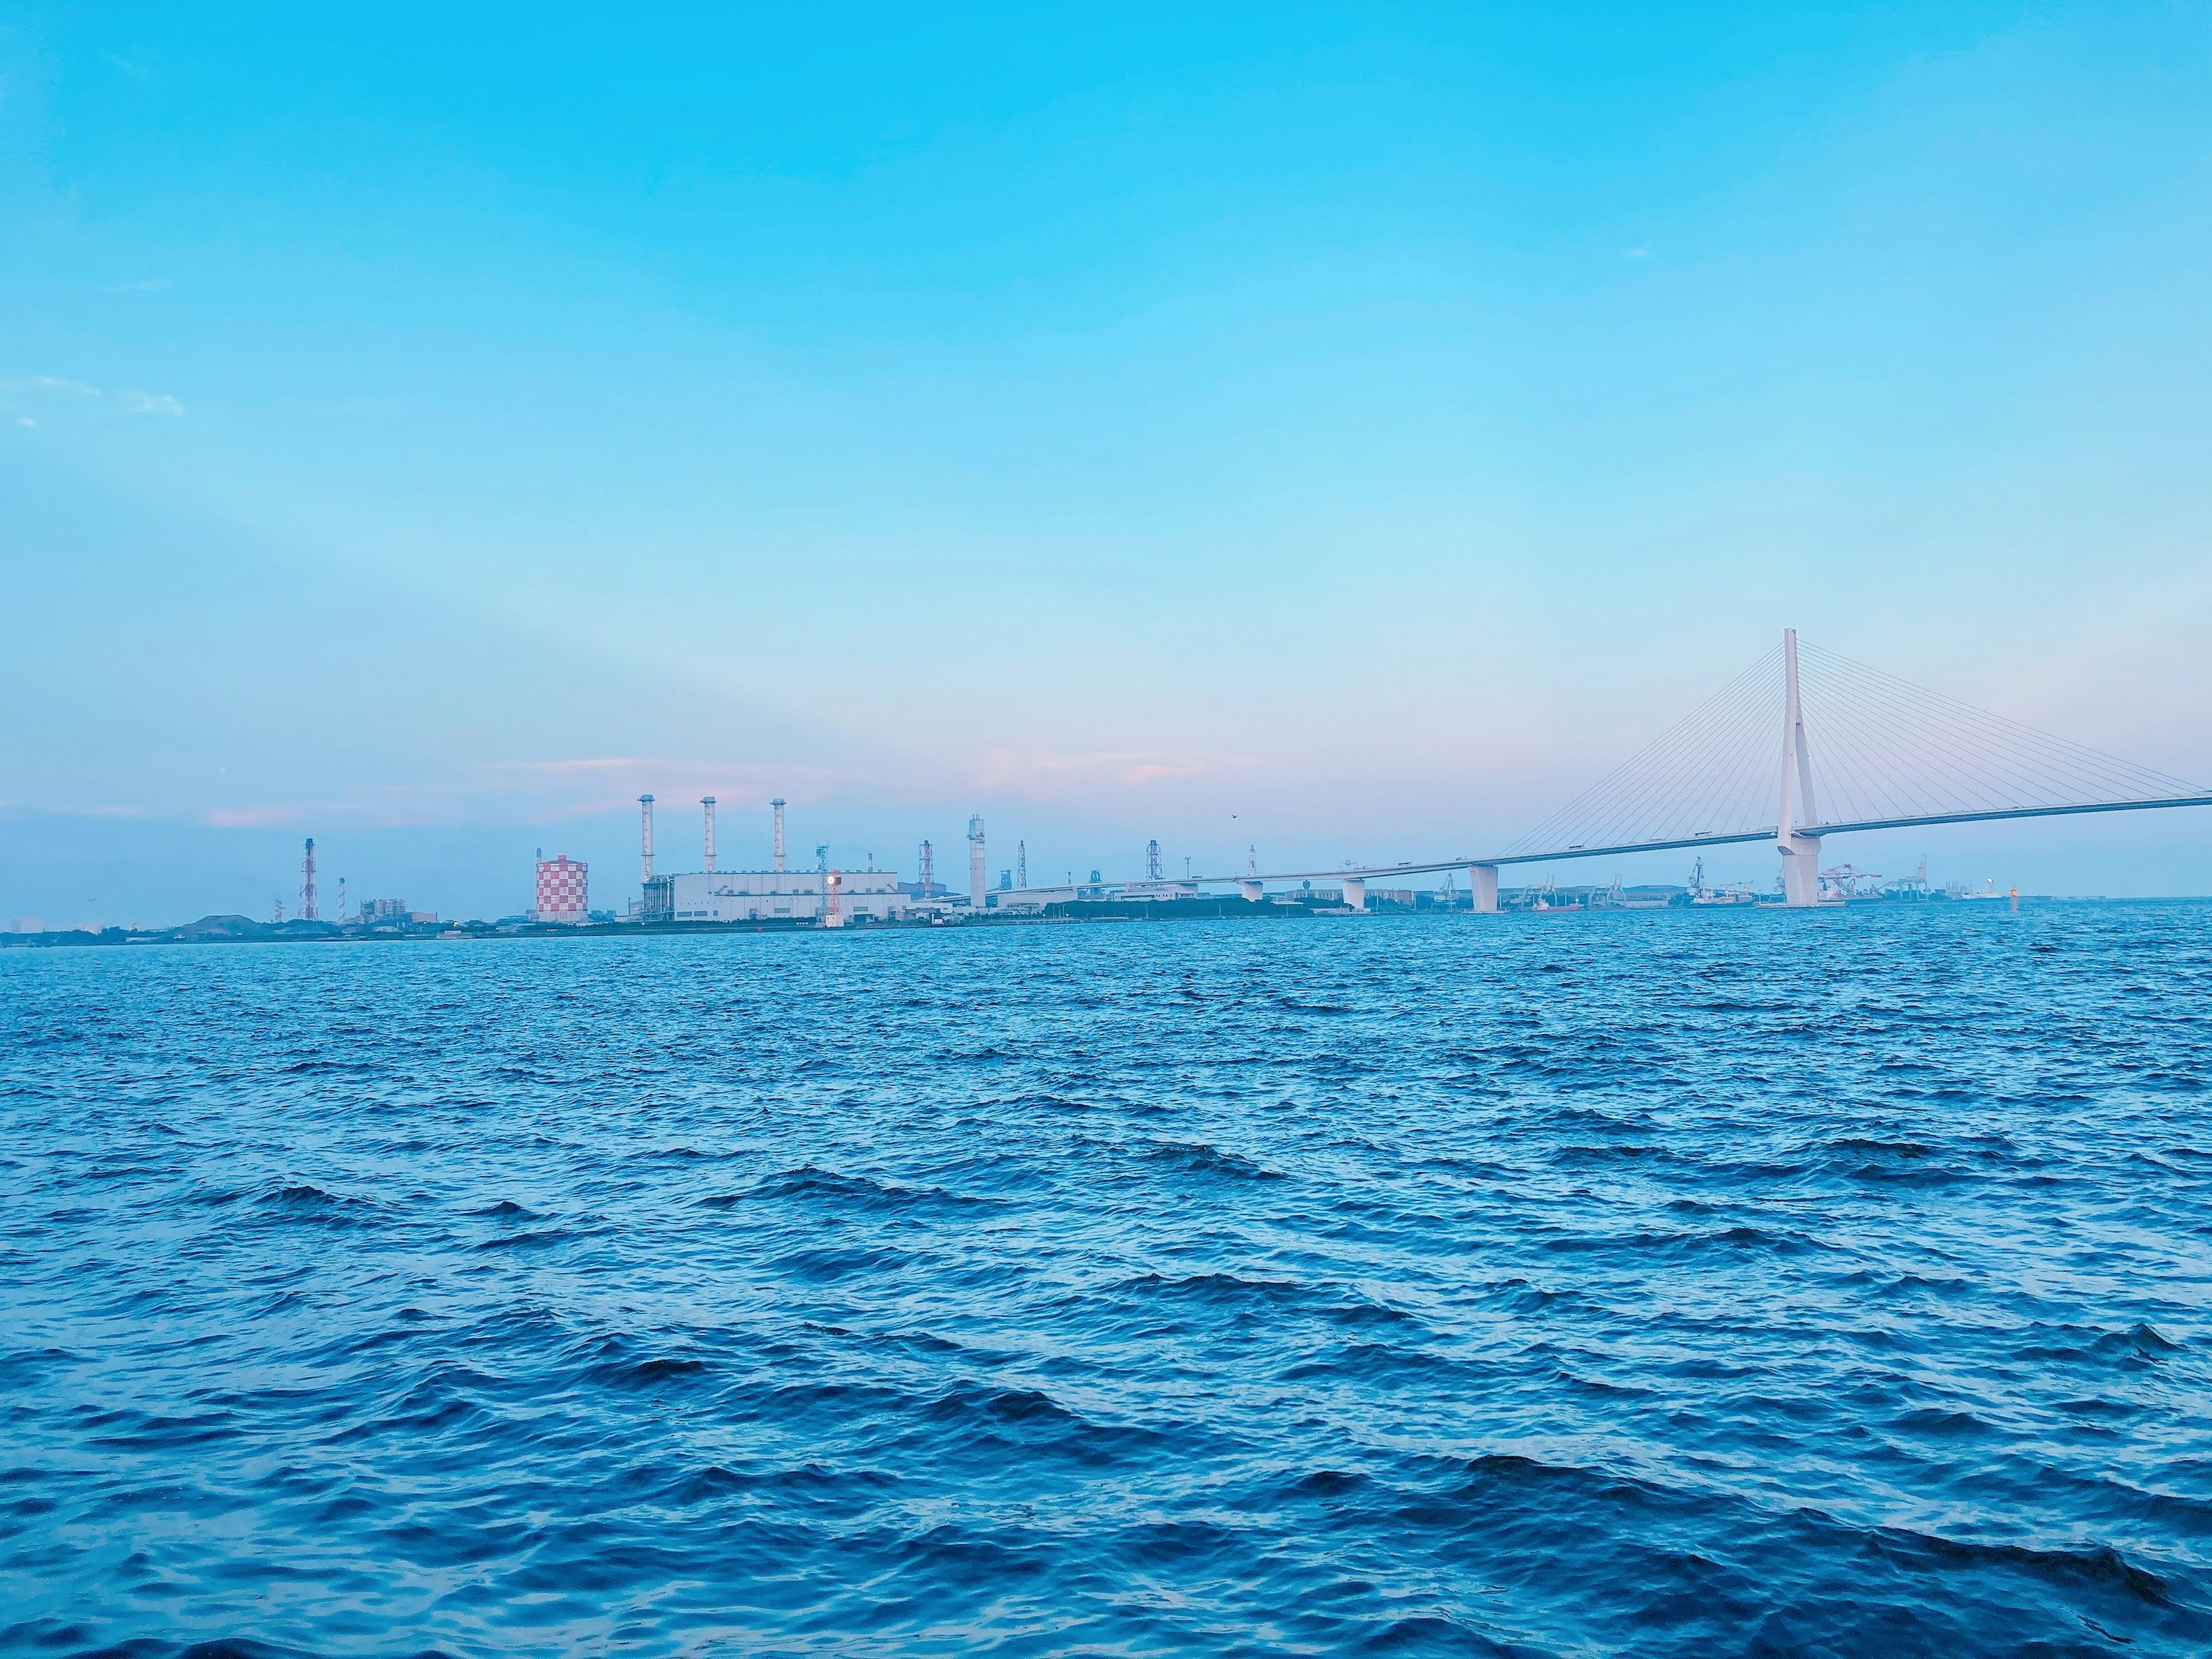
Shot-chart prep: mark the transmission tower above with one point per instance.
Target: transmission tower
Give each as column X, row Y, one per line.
column 1152, row 861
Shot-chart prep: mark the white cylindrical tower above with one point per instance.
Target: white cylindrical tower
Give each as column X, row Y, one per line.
column 708, row 802
column 976, row 862
column 645, row 825
column 778, row 804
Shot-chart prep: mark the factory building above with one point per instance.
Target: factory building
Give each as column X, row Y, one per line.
column 775, row 896
column 832, row 898
column 391, row 913
column 1030, row 901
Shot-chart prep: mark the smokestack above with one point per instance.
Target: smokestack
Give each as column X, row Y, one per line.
column 928, row 876
column 709, row 803
column 778, row 804
column 976, row 862
column 307, row 884
column 644, row 816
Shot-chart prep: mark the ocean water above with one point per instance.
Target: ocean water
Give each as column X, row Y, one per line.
column 1663, row 1284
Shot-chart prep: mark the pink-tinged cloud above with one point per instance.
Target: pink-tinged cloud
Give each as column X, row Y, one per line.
column 672, row 776
column 1047, row 771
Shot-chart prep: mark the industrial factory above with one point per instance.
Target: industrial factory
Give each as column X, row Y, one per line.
column 828, row 898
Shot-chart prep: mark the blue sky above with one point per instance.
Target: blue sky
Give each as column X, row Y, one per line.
column 1346, row 431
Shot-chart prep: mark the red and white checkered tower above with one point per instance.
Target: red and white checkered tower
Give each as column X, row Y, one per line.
column 563, row 890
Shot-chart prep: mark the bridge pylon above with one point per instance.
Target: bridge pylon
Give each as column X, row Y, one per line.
column 1799, row 849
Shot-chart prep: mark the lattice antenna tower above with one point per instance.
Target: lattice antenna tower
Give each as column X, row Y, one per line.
column 1021, row 864
column 308, row 883
column 1152, row 861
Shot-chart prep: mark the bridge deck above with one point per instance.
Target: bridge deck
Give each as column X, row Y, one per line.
column 1380, row 871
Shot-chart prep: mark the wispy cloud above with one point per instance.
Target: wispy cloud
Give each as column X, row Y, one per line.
column 251, row 818
column 584, row 766
column 1009, row 768
column 61, row 810
column 675, row 774
column 137, row 72
column 561, row 788
column 48, row 383
column 129, row 399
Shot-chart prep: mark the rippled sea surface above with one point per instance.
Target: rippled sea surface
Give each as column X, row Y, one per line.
column 1665, row 1283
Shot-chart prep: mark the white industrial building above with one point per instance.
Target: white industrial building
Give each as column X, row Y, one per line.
column 1030, row 901
column 831, row 897
column 777, row 895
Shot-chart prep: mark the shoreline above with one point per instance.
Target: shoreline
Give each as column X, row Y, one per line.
column 240, row 930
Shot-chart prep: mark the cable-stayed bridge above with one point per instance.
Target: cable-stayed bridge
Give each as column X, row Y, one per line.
column 1803, row 744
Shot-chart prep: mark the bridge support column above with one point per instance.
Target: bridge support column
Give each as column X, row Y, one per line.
column 1482, row 881
column 1355, row 891
column 1255, row 893
column 1800, row 868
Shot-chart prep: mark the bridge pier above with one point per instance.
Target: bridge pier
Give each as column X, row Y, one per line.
column 1355, row 891
column 1255, row 893
column 1800, row 868
column 1482, row 880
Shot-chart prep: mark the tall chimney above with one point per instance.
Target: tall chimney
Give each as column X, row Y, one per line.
column 645, row 815
column 708, row 802
column 976, row 862
column 307, row 884
column 778, row 804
